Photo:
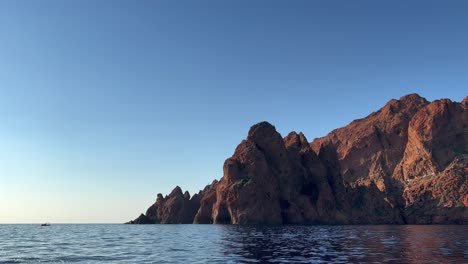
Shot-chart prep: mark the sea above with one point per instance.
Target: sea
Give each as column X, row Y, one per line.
column 118, row 243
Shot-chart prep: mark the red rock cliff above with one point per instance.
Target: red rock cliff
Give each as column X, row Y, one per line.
column 405, row 163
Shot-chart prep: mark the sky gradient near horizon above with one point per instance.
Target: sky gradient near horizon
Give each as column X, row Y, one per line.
column 104, row 104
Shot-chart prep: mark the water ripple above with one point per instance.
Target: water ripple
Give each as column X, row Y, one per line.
column 232, row 244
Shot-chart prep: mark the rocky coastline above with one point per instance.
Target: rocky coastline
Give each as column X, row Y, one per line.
column 406, row 163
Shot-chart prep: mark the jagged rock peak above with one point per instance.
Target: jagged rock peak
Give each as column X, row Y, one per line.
column 413, row 101
column 297, row 137
column 176, row 192
column 261, row 129
column 465, row 101
column 408, row 103
column 159, row 197
column 208, row 187
column 296, row 140
column 414, row 97
column 265, row 136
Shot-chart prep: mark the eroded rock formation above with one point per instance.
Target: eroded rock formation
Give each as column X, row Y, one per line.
column 406, row 163
column 175, row 208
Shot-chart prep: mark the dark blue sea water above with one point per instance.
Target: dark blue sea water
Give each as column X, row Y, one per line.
column 232, row 244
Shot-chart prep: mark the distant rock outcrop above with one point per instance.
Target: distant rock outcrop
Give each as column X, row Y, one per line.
column 406, row 163
column 176, row 208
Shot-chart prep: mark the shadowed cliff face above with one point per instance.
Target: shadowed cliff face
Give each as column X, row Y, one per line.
column 271, row 180
column 176, row 208
column 406, row 163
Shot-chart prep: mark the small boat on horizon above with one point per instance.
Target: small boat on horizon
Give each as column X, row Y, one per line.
column 45, row 224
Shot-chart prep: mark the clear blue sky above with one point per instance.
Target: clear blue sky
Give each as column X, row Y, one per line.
column 103, row 104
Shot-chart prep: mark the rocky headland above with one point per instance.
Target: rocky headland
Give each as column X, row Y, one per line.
column 406, row 163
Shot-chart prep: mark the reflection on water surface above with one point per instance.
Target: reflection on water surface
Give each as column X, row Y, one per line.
column 233, row 244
